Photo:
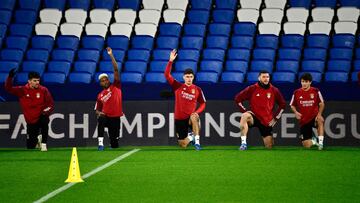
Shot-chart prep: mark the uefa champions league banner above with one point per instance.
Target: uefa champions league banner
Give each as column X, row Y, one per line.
column 152, row 123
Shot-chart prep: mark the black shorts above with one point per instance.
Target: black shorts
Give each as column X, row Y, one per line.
column 306, row 130
column 264, row 130
column 182, row 128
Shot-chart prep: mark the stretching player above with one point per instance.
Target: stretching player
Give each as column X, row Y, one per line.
column 262, row 97
column 187, row 95
column 308, row 105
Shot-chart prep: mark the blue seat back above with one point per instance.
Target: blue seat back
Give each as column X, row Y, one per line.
column 135, row 66
column 42, row 42
column 158, row 66
column 30, row 4
column 242, row 42
column 37, row 66
column 106, row 4
column 180, row 66
column 37, row 55
column 107, row 66
column 155, row 78
column 85, row 67
column 201, row 4
column 138, row 55
column 219, row 42
column 233, row 77
column 339, row 65
column 12, row 55
column 119, row 55
column 313, row 66
column 131, row 77
column 118, row 42
column 188, row 54
column 5, row 17
column 343, row 41
column 82, row 4
column 161, row 54
column 300, row 3
column 58, row 4
column 192, row 42
column 170, row 29
column 92, row 42
column 194, row 29
column 17, row 42
column 25, row 16
column 267, row 41
column 264, row 54
column 88, row 55
column 67, row 42
column 198, row 16
column 223, row 16
column 167, row 42
column 317, row 41
column 54, row 78
column 336, row 77
column 287, row 66
column 142, row 42
column 63, row 55
column 207, row 77
column 219, row 29
column 325, row 3
column 260, row 65
column 59, row 66
column 214, row 54
column 315, row 53
column 244, row 28
column 289, row 54
column 288, row 77
column 236, row 66
column 211, row 66
column 238, row 54
column 292, row 41
column 84, row 78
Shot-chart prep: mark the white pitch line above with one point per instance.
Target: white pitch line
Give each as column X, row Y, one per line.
column 96, row 170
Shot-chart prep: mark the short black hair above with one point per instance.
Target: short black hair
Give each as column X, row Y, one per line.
column 32, row 75
column 189, row 71
column 263, row 72
column 306, row 77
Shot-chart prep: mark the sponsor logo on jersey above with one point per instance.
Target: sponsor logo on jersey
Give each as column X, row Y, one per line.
column 268, row 95
column 312, row 96
column 38, row 95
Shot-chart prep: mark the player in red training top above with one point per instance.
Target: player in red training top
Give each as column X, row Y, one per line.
column 262, row 97
column 308, row 105
column 187, row 95
column 37, row 104
column 109, row 106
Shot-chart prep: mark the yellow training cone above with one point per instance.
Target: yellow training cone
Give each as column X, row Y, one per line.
column 74, row 169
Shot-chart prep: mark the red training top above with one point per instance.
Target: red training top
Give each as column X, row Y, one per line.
column 109, row 101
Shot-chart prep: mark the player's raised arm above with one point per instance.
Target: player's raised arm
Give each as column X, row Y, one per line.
column 167, row 74
column 114, row 63
column 9, row 84
column 241, row 97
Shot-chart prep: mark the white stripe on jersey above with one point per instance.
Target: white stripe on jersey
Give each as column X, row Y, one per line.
column 292, row 100
column 320, row 96
column 279, row 115
column 203, row 96
column 241, row 105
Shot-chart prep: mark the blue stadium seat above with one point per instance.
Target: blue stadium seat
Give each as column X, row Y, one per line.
column 25, row 16
column 236, row 66
column 252, row 77
column 238, row 54
column 211, row 66
column 67, row 42
column 354, row 77
column 242, row 42
column 357, row 53
column 62, row 55
column 316, row 76
column 264, row 54
column 341, row 53
column 85, row 66
column 180, row 66
column 5, row 17
column 258, row 65
column 192, row 42
column 3, row 77
column 142, row 42
column 288, row 77
column 353, row 3
column 118, row 42
column 214, row 54
column 292, row 41
column 161, row 54
column 223, row 16
column 178, row 76
column 244, row 28
column 167, row 42
column 325, row 3
column 106, row 66
column 132, row 4
column 339, row 65
column 315, row 54
column 131, row 77
column 207, row 77
column 313, row 66
column 300, row 3
column 289, row 54
column 317, row 41
column 218, row 42
column 59, row 67
column 219, row 29
column 82, row 4
column 92, row 42
column 22, row 30
column 84, row 78
column 138, row 55
column 119, row 55
column 15, row 55
column 106, row 4
column 53, row 78
column 110, row 74
column 30, row 4
column 42, row 42
column 336, row 77
column 6, row 66
column 343, row 41
column 233, row 77
column 155, row 78
column 88, row 55
column 188, row 54
column 287, row 66
column 267, row 41
column 198, row 16
column 135, row 66
column 194, row 29
column 158, row 66
column 170, row 29
column 37, row 55
column 7, row 4
column 201, row 4
column 58, row 4
column 16, row 42
column 226, row 4
column 22, row 78
column 356, row 65
column 36, row 66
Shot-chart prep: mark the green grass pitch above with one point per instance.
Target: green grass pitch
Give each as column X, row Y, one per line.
column 170, row 174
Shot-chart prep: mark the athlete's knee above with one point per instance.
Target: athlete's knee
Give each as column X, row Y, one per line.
column 268, row 145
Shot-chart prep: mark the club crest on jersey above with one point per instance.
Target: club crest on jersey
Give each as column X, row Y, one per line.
column 312, row 96
column 268, row 95
column 193, row 91
column 38, row 95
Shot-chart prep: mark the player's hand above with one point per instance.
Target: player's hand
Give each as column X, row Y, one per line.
column 319, row 118
column 12, row 72
column 196, row 115
column 250, row 112
column 100, row 114
column 173, row 55
column 298, row 115
column 272, row 122
column 109, row 50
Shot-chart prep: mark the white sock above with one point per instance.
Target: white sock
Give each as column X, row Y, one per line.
column 243, row 139
column 190, row 137
column 321, row 139
column 197, row 139
column 101, row 141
